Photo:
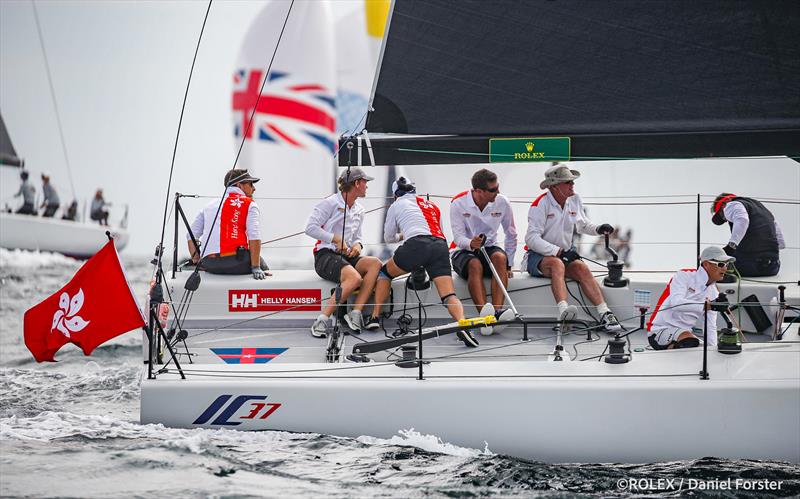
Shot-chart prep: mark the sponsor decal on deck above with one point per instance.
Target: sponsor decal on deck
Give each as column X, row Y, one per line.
column 232, row 412
column 245, row 355
column 274, row 300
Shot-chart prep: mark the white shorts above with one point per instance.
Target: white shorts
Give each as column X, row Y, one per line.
column 666, row 336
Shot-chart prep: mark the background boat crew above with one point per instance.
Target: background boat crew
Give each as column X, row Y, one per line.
column 339, row 260
column 71, row 213
column 756, row 238
column 28, row 193
column 51, row 201
column 682, row 304
column 98, row 210
column 417, row 222
column 552, row 218
column 232, row 241
column 482, row 211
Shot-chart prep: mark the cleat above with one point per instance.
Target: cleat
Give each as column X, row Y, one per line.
column 354, row 320
column 569, row 313
column 371, row 323
column 610, row 323
column 486, row 310
column 467, row 338
column 320, row 327
column 503, row 315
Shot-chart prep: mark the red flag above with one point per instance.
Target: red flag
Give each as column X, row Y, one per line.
column 95, row 306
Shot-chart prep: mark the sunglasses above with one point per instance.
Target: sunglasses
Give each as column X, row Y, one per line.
column 493, row 189
column 722, row 265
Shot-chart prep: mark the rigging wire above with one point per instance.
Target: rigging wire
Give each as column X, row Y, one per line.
column 53, row 96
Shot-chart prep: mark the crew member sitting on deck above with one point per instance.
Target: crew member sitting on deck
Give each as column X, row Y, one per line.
column 339, row 260
column 99, row 208
column 418, row 222
column 475, row 213
column 687, row 295
column 232, row 242
column 756, row 237
column 28, row 193
column 51, row 202
column 552, row 219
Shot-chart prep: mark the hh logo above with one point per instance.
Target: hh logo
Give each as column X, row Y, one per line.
column 273, row 300
column 225, row 410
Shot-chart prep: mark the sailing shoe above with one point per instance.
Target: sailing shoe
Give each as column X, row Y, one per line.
column 487, row 310
column 610, row 323
column 467, row 338
column 320, row 327
column 503, row 315
column 371, row 323
column 569, row 313
column 354, row 320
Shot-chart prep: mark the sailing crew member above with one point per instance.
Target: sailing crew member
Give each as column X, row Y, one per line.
column 688, row 294
column 473, row 214
column 28, row 193
column 99, row 210
column 552, row 219
column 338, row 259
column 756, row 237
column 417, row 222
column 51, row 201
column 232, row 242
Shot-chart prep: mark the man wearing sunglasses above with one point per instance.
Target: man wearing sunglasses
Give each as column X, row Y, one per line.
column 756, row 237
column 230, row 230
column 553, row 218
column 682, row 304
column 481, row 212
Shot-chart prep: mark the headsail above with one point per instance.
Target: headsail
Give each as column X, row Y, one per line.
column 622, row 79
column 8, row 156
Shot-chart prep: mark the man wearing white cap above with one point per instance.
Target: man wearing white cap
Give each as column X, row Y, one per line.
column 552, row 220
column 417, row 222
column 338, row 259
column 682, row 304
column 230, row 230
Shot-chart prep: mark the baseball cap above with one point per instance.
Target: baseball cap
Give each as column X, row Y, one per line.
column 356, row 173
column 716, row 254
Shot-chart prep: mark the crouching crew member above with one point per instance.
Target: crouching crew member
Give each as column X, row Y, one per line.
column 417, row 222
column 481, row 211
column 756, row 237
column 231, row 232
column 339, row 260
column 552, row 219
column 682, row 304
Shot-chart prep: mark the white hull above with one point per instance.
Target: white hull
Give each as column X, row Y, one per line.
column 515, row 398
column 77, row 239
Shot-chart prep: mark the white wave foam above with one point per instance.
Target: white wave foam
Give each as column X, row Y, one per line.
column 430, row 443
column 33, row 259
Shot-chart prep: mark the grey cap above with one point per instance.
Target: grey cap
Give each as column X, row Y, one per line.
column 558, row 174
column 715, row 254
column 356, row 173
column 235, row 176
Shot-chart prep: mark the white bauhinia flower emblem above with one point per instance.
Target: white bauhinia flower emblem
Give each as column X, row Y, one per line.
column 66, row 319
column 237, row 202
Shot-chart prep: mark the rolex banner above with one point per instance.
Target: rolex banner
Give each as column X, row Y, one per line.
column 95, row 306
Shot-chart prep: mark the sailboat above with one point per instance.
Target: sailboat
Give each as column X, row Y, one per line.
column 520, row 82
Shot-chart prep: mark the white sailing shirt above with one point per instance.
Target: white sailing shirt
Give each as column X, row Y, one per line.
column 411, row 216
column 236, row 201
column 550, row 227
column 682, row 303
column 468, row 221
column 327, row 217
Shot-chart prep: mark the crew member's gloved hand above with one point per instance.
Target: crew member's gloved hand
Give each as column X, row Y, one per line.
column 258, row 274
column 569, row 256
column 720, row 303
column 605, row 229
column 729, row 249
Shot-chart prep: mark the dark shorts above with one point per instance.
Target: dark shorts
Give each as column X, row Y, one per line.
column 428, row 252
column 461, row 260
column 238, row 264
column 757, row 267
column 534, row 259
column 329, row 264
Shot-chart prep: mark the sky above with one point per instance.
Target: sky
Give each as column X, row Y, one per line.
column 120, row 69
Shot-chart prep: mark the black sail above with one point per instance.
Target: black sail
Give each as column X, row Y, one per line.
column 621, row 78
column 8, row 156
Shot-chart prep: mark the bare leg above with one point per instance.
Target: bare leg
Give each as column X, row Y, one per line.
column 368, row 267
column 580, row 272
column 444, row 285
column 500, row 263
column 475, row 283
column 351, row 280
column 553, row 268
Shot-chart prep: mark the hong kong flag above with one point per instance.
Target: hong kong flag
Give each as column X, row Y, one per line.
column 95, row 306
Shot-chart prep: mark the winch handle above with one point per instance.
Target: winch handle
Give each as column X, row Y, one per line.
column 614, row 256
column 781, row 292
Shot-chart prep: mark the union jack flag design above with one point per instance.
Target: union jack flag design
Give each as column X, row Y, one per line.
column 299, row 114
column 247, row 355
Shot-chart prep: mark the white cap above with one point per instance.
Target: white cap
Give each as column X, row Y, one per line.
column 403, row 185
column 715, row 254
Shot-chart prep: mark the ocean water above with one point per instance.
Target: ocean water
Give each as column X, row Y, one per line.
column 70, row 429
